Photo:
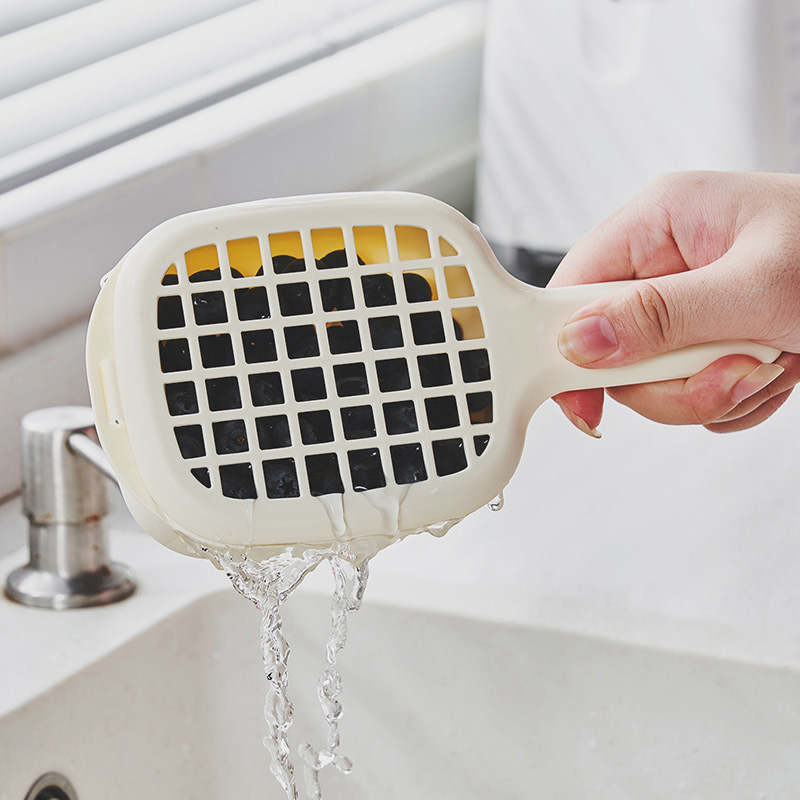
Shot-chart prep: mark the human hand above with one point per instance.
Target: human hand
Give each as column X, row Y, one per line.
column 716, row 256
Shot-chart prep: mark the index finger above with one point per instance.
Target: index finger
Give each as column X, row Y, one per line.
column 634, row 242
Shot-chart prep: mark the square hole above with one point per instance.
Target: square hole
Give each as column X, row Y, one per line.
column 427, row 327
column 202, row 475
column 301, row 341
column 230, row 436
column 181, row 398
column 223, row 394
column 170, row 312
column 244, row 257
column 202, row 264
column 170, row 276
column 205, row 275
column 474, row 365
column 174, row 355
column 366, row 470
column 442, row 412
column 358, row 422
column 467, row 323
column 458, row 282
column 371, row 245
column 286, row 264
column 480, row 407
column 400, row 417
column 434, row 370
column 420, row 286
column 328, row 246
column 336, row 259
column 294, row 299
column 259, row 346
column 315, row 426
column 351, row 379
column 480, row 443
column 323, row 474
column 252, row 303
column 412, row 243
column 408, row 463
column 266, row 388
column 237, row 481
column 308, row 384
column 385, row 332
column 393, row 375
column 287, row 252
column 446, row 248
column 343, row 337
column 449, row 456
column 280, row 475
column 190, row 441
column 273, row 432
column 216, row 350
column 378, row 290
column 336, row 294
column 209, row 308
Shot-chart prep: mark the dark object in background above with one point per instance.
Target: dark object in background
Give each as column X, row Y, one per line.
column 535, row 267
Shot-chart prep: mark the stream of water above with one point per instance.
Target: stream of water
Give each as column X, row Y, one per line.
column 267, row 584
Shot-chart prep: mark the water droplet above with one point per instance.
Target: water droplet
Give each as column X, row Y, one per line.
column 439, row 529
column 497, row 503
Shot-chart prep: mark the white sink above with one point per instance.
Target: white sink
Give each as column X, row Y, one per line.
column 161, row 696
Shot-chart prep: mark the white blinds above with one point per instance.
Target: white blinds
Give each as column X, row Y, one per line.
column 78, row 83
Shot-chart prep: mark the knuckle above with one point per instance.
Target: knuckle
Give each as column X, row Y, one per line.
column 664, row 181
column 669, row 184
column 650, row 316
column 779, row 285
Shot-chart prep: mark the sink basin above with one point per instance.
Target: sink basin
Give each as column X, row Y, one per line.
column 161, row 696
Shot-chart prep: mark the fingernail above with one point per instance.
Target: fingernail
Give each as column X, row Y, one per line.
column 587, row 340
column 760, row 377
column 580, row 423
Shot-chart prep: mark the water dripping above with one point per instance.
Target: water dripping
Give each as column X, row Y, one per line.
column 349, row 585
column 267, row 584
column 334, row 508
column 439, row 529
column 497, row 503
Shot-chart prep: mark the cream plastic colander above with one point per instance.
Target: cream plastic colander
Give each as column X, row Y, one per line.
column 334, row 368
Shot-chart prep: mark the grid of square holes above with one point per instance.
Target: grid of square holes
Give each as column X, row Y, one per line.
column 299, row 361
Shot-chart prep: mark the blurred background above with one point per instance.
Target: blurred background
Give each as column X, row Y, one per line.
column 537, row 118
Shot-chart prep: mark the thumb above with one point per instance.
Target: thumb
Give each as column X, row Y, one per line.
column 653, row 316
